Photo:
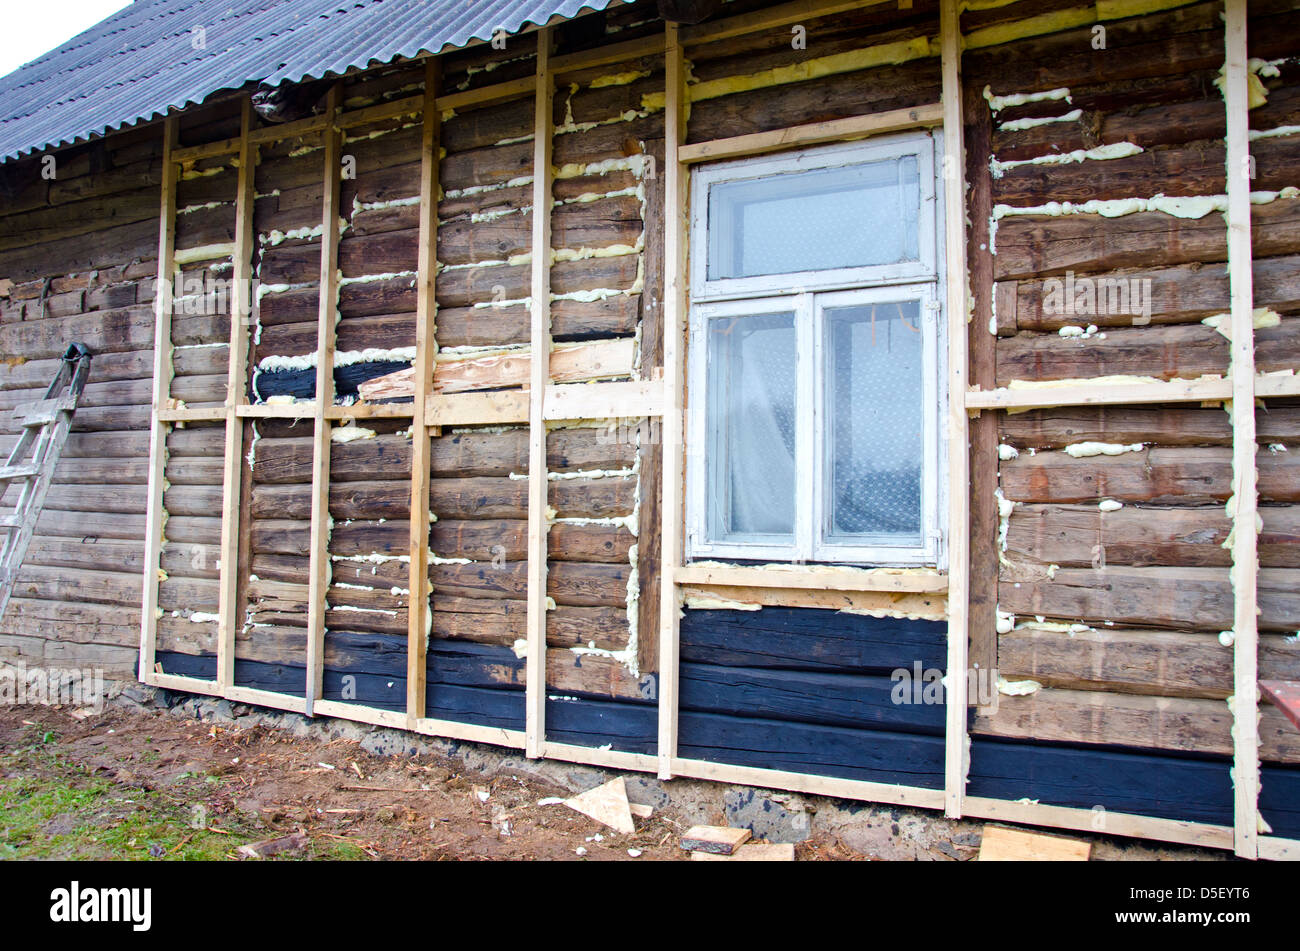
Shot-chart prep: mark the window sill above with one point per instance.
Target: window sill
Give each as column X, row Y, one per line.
column 819, row 577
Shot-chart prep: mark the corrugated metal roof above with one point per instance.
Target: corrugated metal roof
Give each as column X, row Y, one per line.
column 142, row 61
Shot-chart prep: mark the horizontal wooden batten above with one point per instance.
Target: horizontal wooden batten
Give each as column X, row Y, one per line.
column 777, row 16
column 563, row 401
column 1085, row 820
column 823, row 579
column 193, row 153
column 604, row 400
column 1101, row 393
column 876, row 603
column 835, row 130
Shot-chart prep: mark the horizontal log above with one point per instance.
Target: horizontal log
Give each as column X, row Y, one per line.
column 1060, row 426
column 1074, row 536
column 568, row 583
column 810, row 639
column 1179, row 598
column 1036, row 245
column 79, row 585
column 1186, row 351
column 801, row 696
column 507, row 540
column 288, row 460
column 1176, row 475
column 72, row 622
column 505, row 452
column 574, row 364
column 1159, row 663
column 488, row 498
column 1153, row 295
column 504, row 621
column 1165, row 723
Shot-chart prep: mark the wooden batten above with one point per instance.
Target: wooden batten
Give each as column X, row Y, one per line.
column 834, row 130
column 771, row 18
column 956, row 309
column 539, row 375
column 676, row 229
column 426, row 349
column 1245, row 555
column 318, row 551
column 162, row 377
column 230, row 611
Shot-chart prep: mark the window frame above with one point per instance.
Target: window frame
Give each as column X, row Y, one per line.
column 809, row 295
column 923, row 145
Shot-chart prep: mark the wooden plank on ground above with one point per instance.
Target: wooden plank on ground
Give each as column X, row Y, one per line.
column 1000, row 844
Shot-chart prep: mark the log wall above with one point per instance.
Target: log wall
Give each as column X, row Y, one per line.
column 1100, row 584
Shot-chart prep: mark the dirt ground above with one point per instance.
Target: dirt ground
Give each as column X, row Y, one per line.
column 147, row 780
column 149, row 784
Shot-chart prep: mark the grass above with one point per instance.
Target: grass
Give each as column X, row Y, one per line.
column 51, row 808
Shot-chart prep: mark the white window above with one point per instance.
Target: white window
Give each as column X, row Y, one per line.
column 815, row 375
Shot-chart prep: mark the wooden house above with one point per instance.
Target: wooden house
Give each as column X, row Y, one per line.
column 887, row 400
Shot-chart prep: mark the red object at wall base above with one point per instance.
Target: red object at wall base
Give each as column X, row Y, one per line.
column 1286, row 695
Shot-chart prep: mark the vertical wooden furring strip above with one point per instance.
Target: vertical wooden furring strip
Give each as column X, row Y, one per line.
column 162, row 382
column 539, row 376
column 676, row 177
column 230, row 609
column 1243, row 506
column 426, row 350
column 956, row 310
column 318, row 588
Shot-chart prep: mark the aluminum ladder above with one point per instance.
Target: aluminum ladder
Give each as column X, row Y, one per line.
column 44, row 429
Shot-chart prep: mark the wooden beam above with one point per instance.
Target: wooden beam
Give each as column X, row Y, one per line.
column 162, row 377
column 954, row 192
column 823, row 578
column 1244, row 503
column 477, row 409
column 193, row 153
column 1277, row 849
column 628, row 400
column 676, row 182
column 489, row 95
column 288, row 130
column 318, row 586
column 1084, row 820
column 652, row 45
column 426, row 349
column 771, row 18
column 1099, row 393
column 913, row 796
column 410, row 105
column 539, row 375
column 834, row 130
column 230, row 612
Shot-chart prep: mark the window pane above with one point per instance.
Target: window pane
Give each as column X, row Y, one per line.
column 751, row 400
column 853, row 216
column 875, row 418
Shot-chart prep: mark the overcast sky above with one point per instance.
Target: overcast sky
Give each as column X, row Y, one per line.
column 34, row 27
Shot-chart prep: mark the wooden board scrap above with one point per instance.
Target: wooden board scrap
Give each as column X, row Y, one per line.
column 606, row 804
column 1001, row 844
column 752, row 852
column 716, row 840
